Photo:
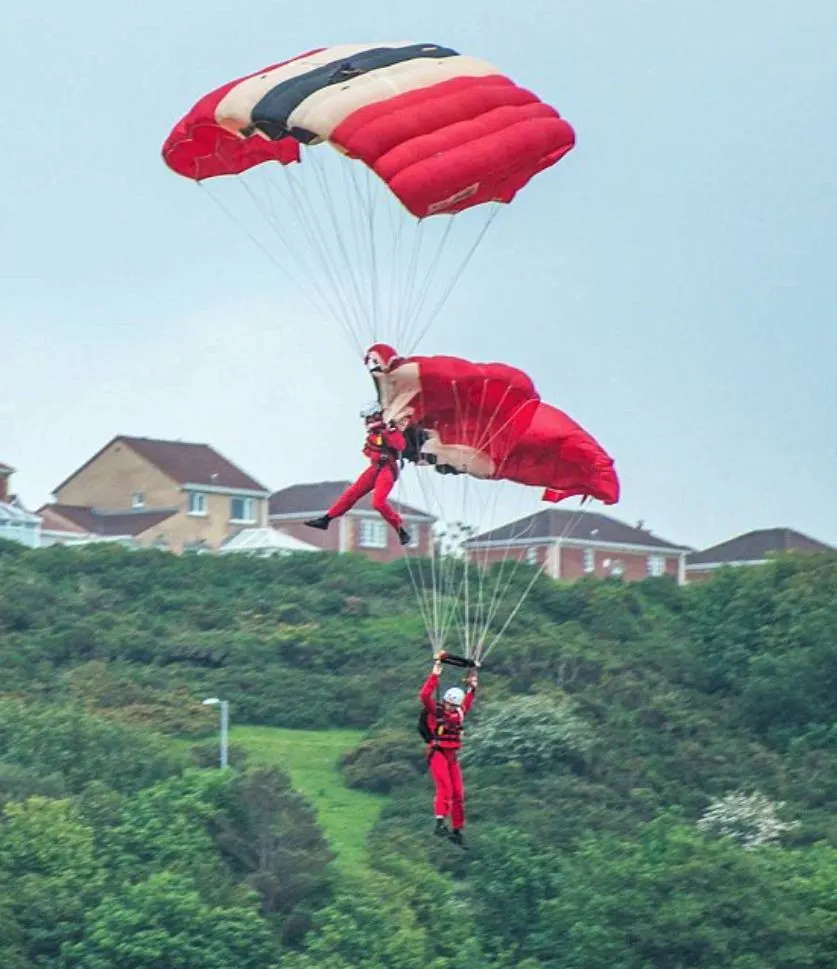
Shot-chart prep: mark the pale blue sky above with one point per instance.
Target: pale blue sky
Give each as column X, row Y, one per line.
column 671, row 284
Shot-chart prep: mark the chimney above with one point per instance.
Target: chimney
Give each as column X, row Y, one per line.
column 5, row 474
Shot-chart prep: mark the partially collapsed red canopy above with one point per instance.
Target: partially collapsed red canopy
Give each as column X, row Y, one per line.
column 487, row 420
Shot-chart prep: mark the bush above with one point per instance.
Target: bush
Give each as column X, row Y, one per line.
column 535, row 731
column 383, row 762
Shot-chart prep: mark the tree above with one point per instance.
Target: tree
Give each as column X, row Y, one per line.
column 163, row 921
column 77, row 748
column 48, row 858
column 675, row 898
column 536, row 731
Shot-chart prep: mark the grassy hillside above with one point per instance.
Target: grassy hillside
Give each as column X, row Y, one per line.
column 613, row 724
column 311, row 758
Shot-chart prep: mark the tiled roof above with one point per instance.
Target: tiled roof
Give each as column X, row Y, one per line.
column 99, row 523
column 756, row 546
column 184, row 463
column 306, row 499
column 552, row 523
column 6, row 468
column 54, row 521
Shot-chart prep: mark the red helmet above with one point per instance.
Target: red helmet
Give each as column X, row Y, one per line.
column 381, row 358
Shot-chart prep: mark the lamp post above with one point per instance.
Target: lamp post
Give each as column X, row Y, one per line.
column 225, row 726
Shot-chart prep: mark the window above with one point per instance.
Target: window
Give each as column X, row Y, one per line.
column 197, row 503
column 373, row 533
column 242, row 509
column 589, row 560
column 617, row 569
column 532, row 556
column 415, row 536
column 656, row 565
column 138, row 499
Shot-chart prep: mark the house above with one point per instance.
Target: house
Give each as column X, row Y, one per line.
column 146, row 492
column 16, row 523
column 360, row 530
column 572, row 544
column 751, row 548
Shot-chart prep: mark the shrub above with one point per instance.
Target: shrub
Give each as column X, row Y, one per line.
column 535, row 731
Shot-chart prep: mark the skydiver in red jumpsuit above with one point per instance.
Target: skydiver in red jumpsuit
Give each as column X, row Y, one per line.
column 446, row 720
column 383, row 446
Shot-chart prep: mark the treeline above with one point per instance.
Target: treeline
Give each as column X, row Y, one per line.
column 651, row 770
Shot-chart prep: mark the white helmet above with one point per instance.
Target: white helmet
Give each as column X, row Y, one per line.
column 454, row 696
column 371, row 410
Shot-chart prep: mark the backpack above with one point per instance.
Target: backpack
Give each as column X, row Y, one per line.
column 424, row 727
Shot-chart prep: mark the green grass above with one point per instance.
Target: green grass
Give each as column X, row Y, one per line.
column 310, row 757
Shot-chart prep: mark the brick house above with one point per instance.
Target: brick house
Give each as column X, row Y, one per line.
column 360, row 530
column 751, row 548
column 573, row 544
column 168, row 494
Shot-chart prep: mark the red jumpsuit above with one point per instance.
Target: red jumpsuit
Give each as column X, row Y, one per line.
column 442, row 751
column 382, row 447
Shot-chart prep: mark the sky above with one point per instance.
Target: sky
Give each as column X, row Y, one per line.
column 670, row 284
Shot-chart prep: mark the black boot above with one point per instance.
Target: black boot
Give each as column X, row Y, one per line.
column 457, row 838
column 403, row 535
column 441, row 829
column 321, row 522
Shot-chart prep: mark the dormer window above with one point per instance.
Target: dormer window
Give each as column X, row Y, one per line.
column 138, row 499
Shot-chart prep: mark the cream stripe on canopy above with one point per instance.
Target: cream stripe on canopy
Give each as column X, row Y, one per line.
column 234, row 111
column 324, row 110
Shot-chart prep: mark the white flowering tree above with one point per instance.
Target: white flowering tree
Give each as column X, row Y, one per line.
column 751, row 819
column 536, row 731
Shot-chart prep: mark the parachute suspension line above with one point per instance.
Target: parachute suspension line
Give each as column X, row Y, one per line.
column 435, row 586
column 405, row 294
column 300, row 200
column 338, row 252
column 323, row 308
column 436, row 621
column 463, row 265
column 373, row 256
column 315, row 293
column 472, row 595
column 344, row 247
column 417, row 303
column 479, row 586
column 305, row 222
column 397, row 219
column 541, row 569
column 356, row 248
column 485, row 609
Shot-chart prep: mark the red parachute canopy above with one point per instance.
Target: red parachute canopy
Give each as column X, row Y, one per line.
column 445, row 131
column 480, row 410
column 557, row 454
column 488, row 421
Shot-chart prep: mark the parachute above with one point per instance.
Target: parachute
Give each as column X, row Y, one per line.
column 484, row 427
column 488, row 421
column 427, row 146
column 437, row 132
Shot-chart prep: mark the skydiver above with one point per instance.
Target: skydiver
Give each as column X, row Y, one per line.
column 383, row 446
column 445, row 721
